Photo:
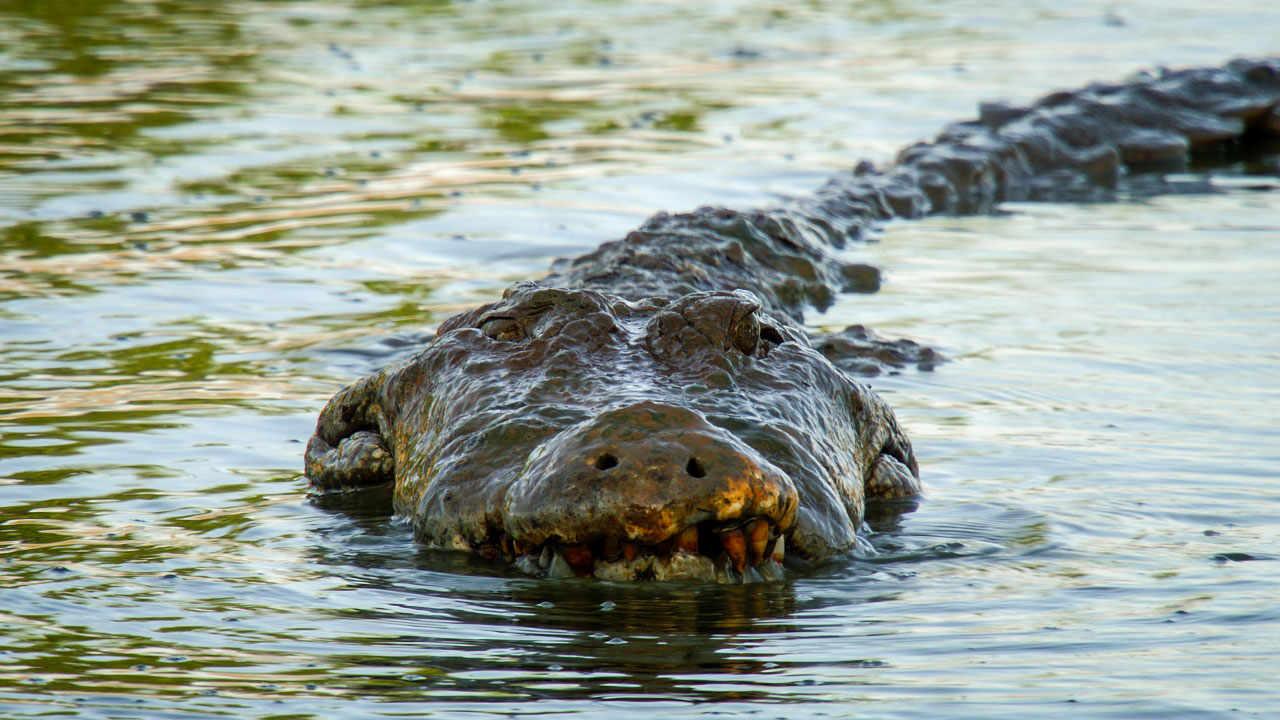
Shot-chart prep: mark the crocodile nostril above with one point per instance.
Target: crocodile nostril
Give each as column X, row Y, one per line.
column 606, row 461
column 695, row 469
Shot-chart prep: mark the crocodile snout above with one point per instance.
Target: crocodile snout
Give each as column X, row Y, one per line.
column 650, row 490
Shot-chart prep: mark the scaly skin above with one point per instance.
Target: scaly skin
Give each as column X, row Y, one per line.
column 654, row 409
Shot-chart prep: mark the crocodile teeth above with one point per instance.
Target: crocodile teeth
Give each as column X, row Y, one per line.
column 757, row 537
column 699, row 553
column 630, row 550
column 579, row 558
column 687, row 540
column 559, row 567
column 735, row 546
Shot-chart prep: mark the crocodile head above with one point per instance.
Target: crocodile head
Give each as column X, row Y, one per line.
column 574, row 432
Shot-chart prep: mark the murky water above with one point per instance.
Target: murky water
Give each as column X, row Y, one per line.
column 213, row 215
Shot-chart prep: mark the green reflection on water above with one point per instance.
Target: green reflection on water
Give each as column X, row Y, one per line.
column 524, row 122
column 82, row 131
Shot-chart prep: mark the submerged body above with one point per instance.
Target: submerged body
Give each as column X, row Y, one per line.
column 655, row 410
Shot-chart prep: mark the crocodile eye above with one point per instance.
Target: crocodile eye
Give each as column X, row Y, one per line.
column 746, row 334
column 502, row 328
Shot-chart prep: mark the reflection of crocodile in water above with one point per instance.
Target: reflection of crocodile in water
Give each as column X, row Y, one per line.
column 654, row 409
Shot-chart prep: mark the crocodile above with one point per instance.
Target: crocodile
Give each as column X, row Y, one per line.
column 656, row 410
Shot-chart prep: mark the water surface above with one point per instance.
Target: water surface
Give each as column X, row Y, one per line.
column 212, row 216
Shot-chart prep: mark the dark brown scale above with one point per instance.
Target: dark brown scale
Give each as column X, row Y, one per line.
column 756, row 534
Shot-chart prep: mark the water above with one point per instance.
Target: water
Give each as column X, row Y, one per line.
column 214, row 215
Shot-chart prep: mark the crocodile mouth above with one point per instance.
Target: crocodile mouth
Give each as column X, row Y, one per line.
column 735, row 552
